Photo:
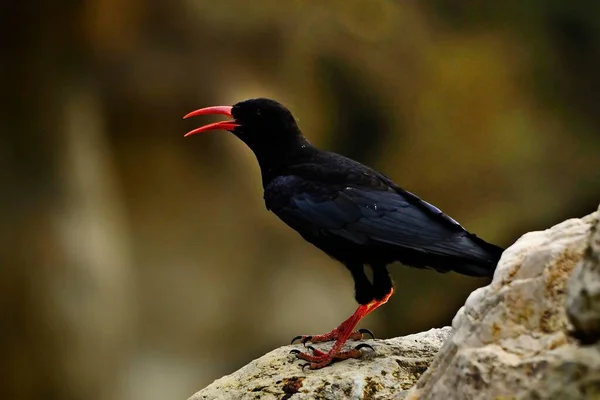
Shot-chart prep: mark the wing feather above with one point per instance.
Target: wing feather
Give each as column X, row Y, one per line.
column 378, row 216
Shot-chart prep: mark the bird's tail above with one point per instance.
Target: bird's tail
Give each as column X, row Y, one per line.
column 481, row 259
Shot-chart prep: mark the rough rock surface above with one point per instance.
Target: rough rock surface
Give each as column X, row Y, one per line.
column 521, row 337
column 583, row 291
column 511, row 339
column 394, row 368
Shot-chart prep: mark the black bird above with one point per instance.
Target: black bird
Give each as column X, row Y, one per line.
column 351, row 212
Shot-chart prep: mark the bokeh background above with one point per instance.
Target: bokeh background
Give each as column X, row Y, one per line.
column 136, row 264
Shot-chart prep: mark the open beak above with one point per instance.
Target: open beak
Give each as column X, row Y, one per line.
column 227, row 125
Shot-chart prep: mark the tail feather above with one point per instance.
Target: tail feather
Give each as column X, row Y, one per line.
column 483, row 258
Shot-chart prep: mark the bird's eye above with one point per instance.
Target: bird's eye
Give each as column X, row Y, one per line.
column 258, row 112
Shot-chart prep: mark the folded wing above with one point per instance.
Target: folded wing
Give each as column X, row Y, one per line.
column 385, row 217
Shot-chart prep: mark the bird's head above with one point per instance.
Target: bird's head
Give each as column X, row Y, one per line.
column 263, row 124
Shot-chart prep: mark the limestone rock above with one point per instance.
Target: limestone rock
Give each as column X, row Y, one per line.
column 583, row 291
column 511, row 339
column 395, row 367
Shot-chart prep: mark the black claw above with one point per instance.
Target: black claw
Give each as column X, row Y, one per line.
column 296, row 338
column 364, row 345
column 310, row 348
column 304, row 365
column 295, row 351
column 306, row 339
column 367, row 331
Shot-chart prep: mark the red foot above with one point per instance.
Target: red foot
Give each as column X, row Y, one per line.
column 342, row 333
column 320, row 359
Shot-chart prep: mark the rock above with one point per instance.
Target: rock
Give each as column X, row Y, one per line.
column 583, row 292
column 394, row 368
column 511, row 339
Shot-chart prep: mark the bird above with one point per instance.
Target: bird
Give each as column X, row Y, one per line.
column 351, row 212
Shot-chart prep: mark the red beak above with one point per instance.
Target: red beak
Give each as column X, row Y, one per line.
column 227, row 125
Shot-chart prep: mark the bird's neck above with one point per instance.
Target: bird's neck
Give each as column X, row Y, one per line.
column 273, row 161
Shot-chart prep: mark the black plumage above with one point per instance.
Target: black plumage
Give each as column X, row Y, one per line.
column 351, row 212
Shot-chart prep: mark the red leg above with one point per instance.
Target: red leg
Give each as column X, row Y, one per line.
column 343, row 332
column 334, row 334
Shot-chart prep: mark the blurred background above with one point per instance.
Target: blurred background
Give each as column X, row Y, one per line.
column 136, row 264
